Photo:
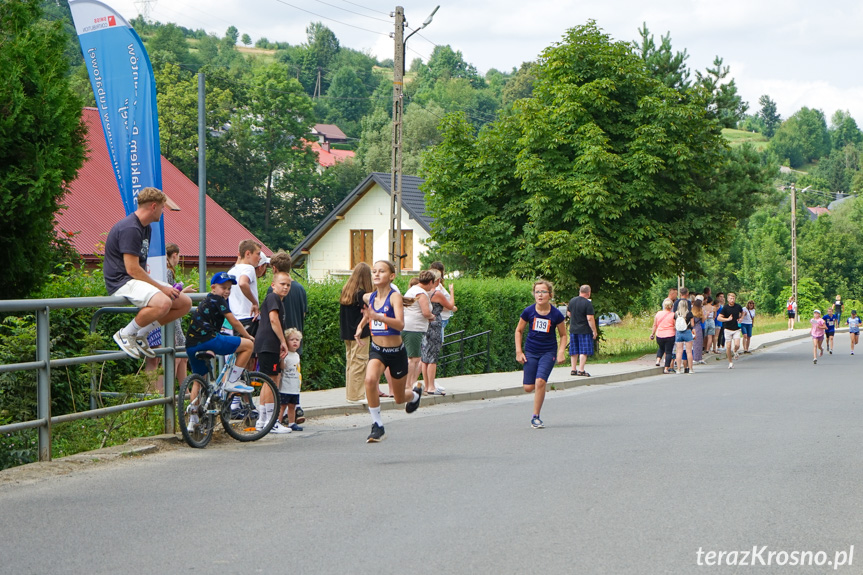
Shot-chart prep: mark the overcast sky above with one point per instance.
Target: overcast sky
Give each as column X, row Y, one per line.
column 800, row 53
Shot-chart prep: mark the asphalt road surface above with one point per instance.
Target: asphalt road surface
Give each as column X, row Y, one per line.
column 761, row 464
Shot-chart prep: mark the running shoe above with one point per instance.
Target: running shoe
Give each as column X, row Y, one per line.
column 536, row 422
column 412, row 406
column 238, row 387
column 128, row 346
column 279, row 428
column 815, row 360
column 144, row 346
column 377, row 433
column 295, row 427
column 736, row 355
column 730, row 366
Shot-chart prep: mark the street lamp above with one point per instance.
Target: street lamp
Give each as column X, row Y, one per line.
column 396, row 251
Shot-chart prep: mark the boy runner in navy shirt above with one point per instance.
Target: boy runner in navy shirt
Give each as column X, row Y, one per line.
column 830, row 320
column 539, row 357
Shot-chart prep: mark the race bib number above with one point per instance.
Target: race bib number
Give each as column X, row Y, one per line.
column 543, row 325
column 378, row 325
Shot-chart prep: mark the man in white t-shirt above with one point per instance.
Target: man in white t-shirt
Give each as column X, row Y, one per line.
column 244, row 298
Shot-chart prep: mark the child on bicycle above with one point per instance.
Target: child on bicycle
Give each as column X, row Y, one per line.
column 289, row 388
column 204, row 335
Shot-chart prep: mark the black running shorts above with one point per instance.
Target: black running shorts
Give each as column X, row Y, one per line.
column 395, row 358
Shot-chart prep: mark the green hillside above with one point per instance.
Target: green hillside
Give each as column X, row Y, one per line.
column 737, row 137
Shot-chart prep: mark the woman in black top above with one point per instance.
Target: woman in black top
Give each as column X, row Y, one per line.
column 350, row 315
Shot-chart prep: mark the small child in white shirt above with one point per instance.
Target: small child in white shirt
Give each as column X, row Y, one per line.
column 289, row 388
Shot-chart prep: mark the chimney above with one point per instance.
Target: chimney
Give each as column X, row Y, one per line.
column 326, row 147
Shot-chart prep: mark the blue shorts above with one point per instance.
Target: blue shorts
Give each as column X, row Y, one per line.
column 684, row 336
column 580, row 344
column 746, row 329
column 538, row 367
column 289, row 398
column 221, row 345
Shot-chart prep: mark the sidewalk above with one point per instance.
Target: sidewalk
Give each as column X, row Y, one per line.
column 489, row 385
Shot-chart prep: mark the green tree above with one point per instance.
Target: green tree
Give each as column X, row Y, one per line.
column 844, row 130
column 348, row 101
column 669, row 67
column 520, row 85
column 232, row 35
column 769, row 115
column 724, row 103
column 246, row 40
column 41, row 141
column 168, row 44
column 801, row 138
column 419, row 133
column 609, row 178
column 281, row 115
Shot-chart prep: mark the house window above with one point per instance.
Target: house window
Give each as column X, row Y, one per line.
column 407, row 262
column 361, row 247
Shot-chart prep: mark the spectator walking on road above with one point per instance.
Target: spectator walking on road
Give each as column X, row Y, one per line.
column 730, row 318
column 125, row 272
column 542, row 349
column 663, row 331
column 853, row 323
column 683, row 321
column 350, row 316
column 698, row 330
column 791, row 312
column 582, row 330
column 817, row 332
column 837, row 308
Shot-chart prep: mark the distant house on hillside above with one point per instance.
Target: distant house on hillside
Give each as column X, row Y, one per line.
column 329, row 133
column 357, row 230
column 93, row 206
column 815, row 212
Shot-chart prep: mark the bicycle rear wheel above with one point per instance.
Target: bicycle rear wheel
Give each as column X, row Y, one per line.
column 240, row 418
column 193, row 403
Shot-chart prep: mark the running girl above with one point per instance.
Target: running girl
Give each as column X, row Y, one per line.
column 384, row 313
column 853, row 329
column 539, row 356
column 830, row 321
column 817, row 331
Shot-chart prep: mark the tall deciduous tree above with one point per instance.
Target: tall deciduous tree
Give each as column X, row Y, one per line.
column 844, row 130
column 605, row 176
column 802, row 138
column 41, row 141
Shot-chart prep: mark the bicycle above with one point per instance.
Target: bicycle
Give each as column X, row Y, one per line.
column 201, row 398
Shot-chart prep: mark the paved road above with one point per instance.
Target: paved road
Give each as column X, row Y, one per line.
column 629, row 478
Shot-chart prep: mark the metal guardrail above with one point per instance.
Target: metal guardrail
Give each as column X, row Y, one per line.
column 459, row 356
column 44, row 364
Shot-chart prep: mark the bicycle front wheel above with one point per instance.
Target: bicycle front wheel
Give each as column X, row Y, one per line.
column 240, row 411
column 196, row 421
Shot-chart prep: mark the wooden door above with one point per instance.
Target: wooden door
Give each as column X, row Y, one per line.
column 407, row 250
column 362, row 247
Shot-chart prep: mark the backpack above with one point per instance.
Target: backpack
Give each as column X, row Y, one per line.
column 680, row 324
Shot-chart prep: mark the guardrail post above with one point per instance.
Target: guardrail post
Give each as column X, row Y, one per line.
column 461, row 355
column 168, row 364
column 43, row 382
column 488, row 352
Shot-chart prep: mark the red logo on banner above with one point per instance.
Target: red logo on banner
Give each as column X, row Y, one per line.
column 112, row 21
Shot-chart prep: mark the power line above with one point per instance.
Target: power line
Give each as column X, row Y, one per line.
column 330, row 19
column 366, row 8
column 352, row 12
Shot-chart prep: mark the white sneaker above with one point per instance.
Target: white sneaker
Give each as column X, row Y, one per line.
column 144, row 346
column 238, row 387
column 736, row 355
column 279, row 428
column 730, row 366
column 128, row 346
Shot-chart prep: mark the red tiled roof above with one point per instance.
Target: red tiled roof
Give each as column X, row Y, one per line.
column 93, row 205
column 328, row 158
column 819, row 211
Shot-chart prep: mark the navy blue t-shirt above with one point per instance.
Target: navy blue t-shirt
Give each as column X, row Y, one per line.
column 207, row 320
column 127, row 236
column 830, row 320
column 541, row 329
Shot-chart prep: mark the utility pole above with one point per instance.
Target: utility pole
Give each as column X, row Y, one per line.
column 794, row 246
column 318, row 85
column 396, row 171
column 396, row 248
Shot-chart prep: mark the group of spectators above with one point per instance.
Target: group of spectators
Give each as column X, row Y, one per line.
column 691, row 325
